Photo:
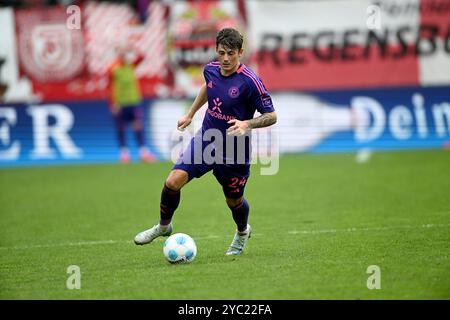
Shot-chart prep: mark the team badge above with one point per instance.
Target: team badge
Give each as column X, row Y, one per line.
column 233, row 92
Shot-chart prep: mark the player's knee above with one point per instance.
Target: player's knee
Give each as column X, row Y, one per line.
column 173, row 184
column 234, row 202
column 176, row 180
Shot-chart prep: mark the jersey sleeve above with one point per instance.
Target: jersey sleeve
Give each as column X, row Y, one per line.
column 208, row 69
column 259, row 96
column 205, row 73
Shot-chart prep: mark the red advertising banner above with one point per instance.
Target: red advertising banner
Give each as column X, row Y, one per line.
column 293, row 45
column 351, row 44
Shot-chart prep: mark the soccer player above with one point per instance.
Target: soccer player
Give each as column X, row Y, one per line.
column 125, row 103
column 234, row 93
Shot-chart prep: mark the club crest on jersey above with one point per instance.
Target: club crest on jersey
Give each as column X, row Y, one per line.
column 233, row 92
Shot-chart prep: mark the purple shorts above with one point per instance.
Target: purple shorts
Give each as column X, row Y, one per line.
column 129, row 114
column 233, row 178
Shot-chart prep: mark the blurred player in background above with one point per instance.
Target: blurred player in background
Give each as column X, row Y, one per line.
column 233, row 93
column 126, row 103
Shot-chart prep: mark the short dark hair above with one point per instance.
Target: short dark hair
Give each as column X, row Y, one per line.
column 230, row 38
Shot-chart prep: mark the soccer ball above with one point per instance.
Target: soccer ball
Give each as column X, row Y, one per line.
column 179, row 248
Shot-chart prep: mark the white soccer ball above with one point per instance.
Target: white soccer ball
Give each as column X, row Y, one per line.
column 179, row 248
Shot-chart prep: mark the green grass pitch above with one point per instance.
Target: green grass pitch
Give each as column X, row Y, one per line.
column 318, row 225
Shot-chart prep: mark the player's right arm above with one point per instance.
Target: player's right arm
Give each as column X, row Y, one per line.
column 199, row 101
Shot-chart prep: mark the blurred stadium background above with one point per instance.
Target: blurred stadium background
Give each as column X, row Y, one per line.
column 353, row 82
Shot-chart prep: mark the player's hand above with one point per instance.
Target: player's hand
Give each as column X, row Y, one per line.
column 238, row 127
column 183, row 122
column 114, row 109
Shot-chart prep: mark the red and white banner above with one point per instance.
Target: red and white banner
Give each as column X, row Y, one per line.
column 310, row 45
column 48, row 50
column 65, row 63
column 293, row 45
column 13, row 87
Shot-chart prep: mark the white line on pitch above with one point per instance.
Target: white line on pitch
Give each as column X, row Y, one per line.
column 86, row 243
column 64, row 244
column 367, row 229
column 293, row 232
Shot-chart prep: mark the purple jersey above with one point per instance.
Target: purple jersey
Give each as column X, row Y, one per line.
column 236, row 96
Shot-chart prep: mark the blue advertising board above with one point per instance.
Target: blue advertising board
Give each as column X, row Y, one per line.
column 59, row 133
column 317, row 122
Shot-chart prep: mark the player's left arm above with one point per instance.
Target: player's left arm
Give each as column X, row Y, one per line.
column 239, row 127
column 265, row 120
